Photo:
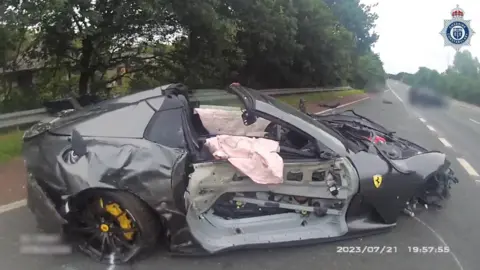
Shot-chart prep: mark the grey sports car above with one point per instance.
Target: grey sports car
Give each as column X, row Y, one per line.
column 119, row 177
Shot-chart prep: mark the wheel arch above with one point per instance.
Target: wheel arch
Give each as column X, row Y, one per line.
column 147, row 222
column 83, row 195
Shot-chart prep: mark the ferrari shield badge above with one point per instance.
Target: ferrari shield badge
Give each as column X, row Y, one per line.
column 457, row 31
column 377, row 180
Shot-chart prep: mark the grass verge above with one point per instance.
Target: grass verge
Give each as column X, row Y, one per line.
column 318, row 97
column 10, row 145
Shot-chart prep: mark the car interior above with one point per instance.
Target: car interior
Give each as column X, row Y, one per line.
column 293, row 143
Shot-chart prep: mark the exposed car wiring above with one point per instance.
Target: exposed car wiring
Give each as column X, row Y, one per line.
column 364, row 141
column 386, row 133
column 384, row 157
column 367, row 119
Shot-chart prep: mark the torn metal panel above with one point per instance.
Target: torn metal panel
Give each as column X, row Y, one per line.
column 216, row 233
column 212, row 179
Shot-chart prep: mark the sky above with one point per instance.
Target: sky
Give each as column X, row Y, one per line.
column 410, row 33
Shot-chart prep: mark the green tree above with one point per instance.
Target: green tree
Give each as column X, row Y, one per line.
column 327, row 46
column 16, row 39
column 205, row 52
column 370, row 73
column 426, row 77
column 359, row 19
column 208, row 43
column 267, row 32
column 97, row 36
column 465, row 64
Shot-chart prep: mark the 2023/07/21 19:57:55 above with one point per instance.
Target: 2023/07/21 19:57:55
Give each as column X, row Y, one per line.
column 392, row 249
column 428, row 249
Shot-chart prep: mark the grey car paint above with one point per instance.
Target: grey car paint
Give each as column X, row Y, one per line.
column 136, row 165
column 123, row 159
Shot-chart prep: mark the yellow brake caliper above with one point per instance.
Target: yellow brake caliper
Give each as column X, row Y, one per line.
column 121, row 216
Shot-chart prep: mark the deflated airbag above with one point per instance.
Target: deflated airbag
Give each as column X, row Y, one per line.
column 256, row 158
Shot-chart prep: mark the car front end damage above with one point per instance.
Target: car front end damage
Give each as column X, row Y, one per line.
column 403, row 156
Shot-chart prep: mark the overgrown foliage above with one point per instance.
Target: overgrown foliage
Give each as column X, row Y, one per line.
column 460, row 81
column 81, row 44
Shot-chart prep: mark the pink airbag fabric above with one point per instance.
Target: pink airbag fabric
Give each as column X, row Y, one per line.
column 257, row 158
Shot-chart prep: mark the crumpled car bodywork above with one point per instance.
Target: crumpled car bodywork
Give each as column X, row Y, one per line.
column 337, row 182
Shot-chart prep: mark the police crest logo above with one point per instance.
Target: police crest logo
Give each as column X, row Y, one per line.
column 456, row 31
column 377, row 180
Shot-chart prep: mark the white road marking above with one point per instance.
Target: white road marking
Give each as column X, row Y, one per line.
column 476, row 122
column 440, row 238
column 423, row 120
column 445, row 142
column 12, row 206
column 477, row 181
column 399, row 98
column 431, row 128
column 344, row 105
column 409, row 110
column 470, row 170
column 386, row 90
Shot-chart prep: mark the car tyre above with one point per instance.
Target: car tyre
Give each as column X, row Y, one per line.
column 109, row 237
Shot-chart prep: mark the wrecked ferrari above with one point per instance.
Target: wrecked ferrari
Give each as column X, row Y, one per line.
column 205, row 171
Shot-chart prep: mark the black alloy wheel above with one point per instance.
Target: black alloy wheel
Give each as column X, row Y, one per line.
column 113, row 227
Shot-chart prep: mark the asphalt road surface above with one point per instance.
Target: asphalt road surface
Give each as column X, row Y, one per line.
column 454, row 226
